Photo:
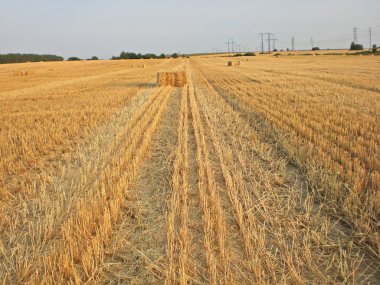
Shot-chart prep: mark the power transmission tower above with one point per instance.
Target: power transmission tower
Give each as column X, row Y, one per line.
column 228, row 44
column 274, row 42
column 269, row 39
column 370, row 37
column 262, row 42
column 312, row 43
column 355, row 35
column 293, row 44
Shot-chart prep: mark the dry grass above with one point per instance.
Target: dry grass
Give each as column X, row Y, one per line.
column 273, row 178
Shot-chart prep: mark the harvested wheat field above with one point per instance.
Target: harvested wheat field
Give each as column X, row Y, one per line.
column 266, row 172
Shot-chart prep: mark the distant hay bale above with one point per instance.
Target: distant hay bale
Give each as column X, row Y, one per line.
column 172, row 78
column 230, row 63
column 22, row 73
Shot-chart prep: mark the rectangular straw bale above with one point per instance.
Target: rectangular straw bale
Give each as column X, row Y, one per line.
column 172, row 78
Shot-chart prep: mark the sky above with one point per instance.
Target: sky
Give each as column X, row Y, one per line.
column 104, row 28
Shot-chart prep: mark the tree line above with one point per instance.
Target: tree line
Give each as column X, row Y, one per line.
column 28, row 57
column 132, row 55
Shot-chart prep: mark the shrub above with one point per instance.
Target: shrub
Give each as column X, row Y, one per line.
column 315, row 48
column 249, row 54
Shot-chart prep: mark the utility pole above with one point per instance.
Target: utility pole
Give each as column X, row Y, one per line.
column 293, row 44
column 370, row 37
column 355, row 35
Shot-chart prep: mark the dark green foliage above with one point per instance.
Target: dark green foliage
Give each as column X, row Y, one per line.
column 175, row 55
column 94, row 58
column 315, row 48
column 366, row 52
column 73, row 58
column 356, row 46
column 374, row 48
column 18, row 58
column 245, row 54
column 132, row 55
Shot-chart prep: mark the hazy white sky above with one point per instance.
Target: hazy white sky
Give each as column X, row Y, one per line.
column 104, row 28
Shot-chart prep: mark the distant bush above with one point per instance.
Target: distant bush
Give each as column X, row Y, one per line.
column 175, row 55
column 374, row 48
column 73, row 58
column 277, row 54
column 21, row 57
column 315, row 48
column 356, row 46
column 94, row 58
column 238, row 54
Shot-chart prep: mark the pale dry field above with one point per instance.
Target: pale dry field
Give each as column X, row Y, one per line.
column 263, row 173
